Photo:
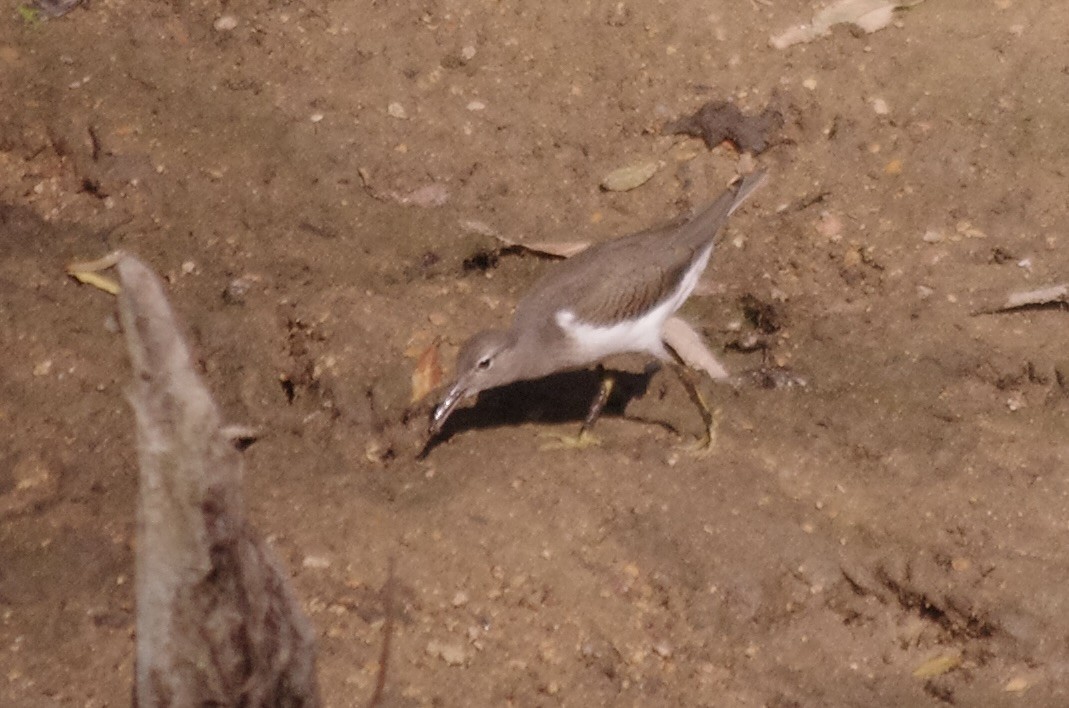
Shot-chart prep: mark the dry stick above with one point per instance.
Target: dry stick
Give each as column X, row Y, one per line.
column 389, row 611
column 217, row 623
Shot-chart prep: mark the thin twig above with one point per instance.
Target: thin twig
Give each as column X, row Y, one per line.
column 387, row 634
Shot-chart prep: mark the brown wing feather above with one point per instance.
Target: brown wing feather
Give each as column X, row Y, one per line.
column 601, row 299
column 652, row 261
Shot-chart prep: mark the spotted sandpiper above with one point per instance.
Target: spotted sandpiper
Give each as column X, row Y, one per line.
column 612, row 298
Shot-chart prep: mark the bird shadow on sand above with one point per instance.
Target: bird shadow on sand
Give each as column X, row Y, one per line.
column 555, row 399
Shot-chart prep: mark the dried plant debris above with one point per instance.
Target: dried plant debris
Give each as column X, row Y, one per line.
column 428, row 196
column 88, row 272
column 1051, row 295
column 551, row 249
column 939, row 665
column 766, row 317
column 427, row 374
column 869, row 15
column 718, row 121
column 771, row 377
column 217, row 620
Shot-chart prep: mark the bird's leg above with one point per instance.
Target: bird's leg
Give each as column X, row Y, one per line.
column 608, row 382
column 585, row 438
column 687, row 378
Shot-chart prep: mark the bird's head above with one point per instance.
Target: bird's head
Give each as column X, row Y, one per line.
column 485, row 361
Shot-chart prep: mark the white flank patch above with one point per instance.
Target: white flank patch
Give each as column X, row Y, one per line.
column 596, row 342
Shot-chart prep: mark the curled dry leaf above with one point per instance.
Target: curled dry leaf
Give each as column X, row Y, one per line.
column 555, row 249
column 427, row 375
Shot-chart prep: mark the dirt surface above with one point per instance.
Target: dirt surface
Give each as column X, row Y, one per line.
column 890, row 534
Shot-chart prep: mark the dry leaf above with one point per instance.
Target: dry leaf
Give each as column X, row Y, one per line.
column 1050, row 295
column 556, row 249
column 869, row 15
column 427, row 375
column 717, row 121
column 691, row 348
column 630, row 177
column 939, row 665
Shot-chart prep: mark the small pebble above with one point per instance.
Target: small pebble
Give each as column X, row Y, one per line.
column 225, row 23
column 476, row 106
column 236, row 290
column 880, row 106
column 663, row 650
column 1016, row 684
column 397, row 110
column 316, row 117
column 932, row 236
column 468, row 53
column 830, row 226
column 810, row 84
column 460, row 599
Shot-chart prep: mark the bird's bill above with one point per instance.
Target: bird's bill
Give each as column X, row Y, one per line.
column 444, row 409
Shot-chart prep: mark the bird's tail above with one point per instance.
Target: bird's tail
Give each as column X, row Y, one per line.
column 747, row 186
column 708, row 222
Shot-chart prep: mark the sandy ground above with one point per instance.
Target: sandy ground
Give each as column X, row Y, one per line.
column 320, row 184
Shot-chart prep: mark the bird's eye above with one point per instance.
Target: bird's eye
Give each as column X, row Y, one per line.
column 484, row 363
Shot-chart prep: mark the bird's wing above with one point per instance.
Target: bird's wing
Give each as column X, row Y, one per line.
column 600, row 287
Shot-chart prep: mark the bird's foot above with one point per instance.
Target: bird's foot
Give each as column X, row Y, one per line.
column 706, row 444
column 558, row 441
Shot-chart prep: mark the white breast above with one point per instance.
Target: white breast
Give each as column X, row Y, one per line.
column 595, row 342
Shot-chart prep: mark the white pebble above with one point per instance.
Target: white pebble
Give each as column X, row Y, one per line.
column 468, row 53
column 397, row 110
column 880, row 106
column 315, row 562
column 476, row 106
column 225, row 23
column 932, row 236
column 316, row 117
column 810, row 84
